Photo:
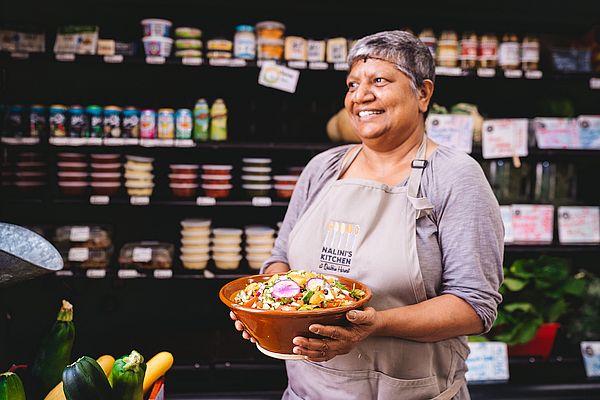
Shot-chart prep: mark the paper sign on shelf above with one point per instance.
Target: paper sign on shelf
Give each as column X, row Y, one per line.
column 556, row 133
column 488, row 361
column 504, row 138
column 533, row 223
column 95, row 273
column 80, row 234
column 506, row 213
column 451, row 130
column 589, row 131
column 578, row 224
column 278, row 77
column 590, row 351
column 78, row 254
column 142, row 254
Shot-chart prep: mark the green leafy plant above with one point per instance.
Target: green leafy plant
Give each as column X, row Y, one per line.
column 535, row 291
column 586, row 324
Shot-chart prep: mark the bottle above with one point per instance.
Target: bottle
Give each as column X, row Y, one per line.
column 488, row 51
column 218, row 121
column 447, row 49
column 428, row 38
column 530, row 53
column 468, row 50
column 509, row 56
column 201, row 121
column 37, row 121
column 244, row 42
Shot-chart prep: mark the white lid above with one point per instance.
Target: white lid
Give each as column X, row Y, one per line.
column 101, row 174
column 256, row 160
column 226, row 249
column 72, row 184
column 259, row 250
column 257, row 187
column 139, row 184
column 270, row 25
column 285, row 177
column 195, row 222
column 106, row 166
column 69, row 164
column 61, row 174
column 138, row 167
column 258, row 257
column 256, row 169
column 184, row 166
column 192, row 258
column 195, row 250
column 285, row 187
column 183, row 185
column 156, row 21
column 216, row 177
column 186, row 241
column 217, row 187
column 157, row 39
column 139, row 159
column 260, row 241
column 106, row 184
column 226, row 258
column 189, row 234
column 264, row 178
column 258, row 230
column 227, row 240
column 217, row 167
column 183, row 176
column 226, row 231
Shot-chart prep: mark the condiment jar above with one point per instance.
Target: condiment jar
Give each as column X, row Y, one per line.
column 447, row 49
column 270, row 30
column 295, row 48
column 337, row 50
column 487, row 52
column 468, row 50
column 428, row 38
column 244, row 42
column 270, row 49
column 509, row 56
column 530, row 53
column 316, row 50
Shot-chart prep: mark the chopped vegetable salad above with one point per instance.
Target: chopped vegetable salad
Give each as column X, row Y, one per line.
column 297, row 290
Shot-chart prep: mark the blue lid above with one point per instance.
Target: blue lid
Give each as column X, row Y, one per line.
column 130, row 111
column 17, row 108
column 244, row 28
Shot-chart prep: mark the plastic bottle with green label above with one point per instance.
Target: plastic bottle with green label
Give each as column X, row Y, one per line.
column 201, row 121
column 218, row 121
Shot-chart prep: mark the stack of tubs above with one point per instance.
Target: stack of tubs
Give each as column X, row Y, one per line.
column 284, row 185
column 106, row 174
column 157, row 42
column 139, row 179
column 259, row 244
column 72, row 173
column 183, row 179
column 216, row 180
column 256, row 176
column 30, row 172
column 195, row 243
column 227, row 248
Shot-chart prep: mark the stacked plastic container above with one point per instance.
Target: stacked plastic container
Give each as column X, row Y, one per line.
column 157, row 41
column 72, row 173
column 216, row 180
column 139, row 179
column 256, row 176
column 259, row 244
column 188, row 43
column 227, row 248
column 28, row 173
column 195, row 243
column 183, row 179
column 106, row 174
column 284, row 185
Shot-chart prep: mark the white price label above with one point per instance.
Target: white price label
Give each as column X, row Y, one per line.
column 451, row 130
column 513, row 73
column 127, row 274
column 115, row 59
column 594, row 83
column 504, row 138
column 149, row 142
column 488, row 361
column 192, row 61
column 297, row 64
column 184, row 143
column 218, row 62
column 165, row 142
column 556, row 133
column 114, row 142
column 208, row 274
column 486, row 72
column 58, row 141
column 95, row 141
column 19, row 55
column 80, row 234
column 533, row 223
column 64, row 272
column 278, row 77
column 590, row 352
column 140, row 200
column 206, row 201
column 236, row 62
column 142, row 254
column 78, row 254
column 448, row 71
column 163, row 273
column 579, row 224
column 319, row 66
column 262, row 201
column 65, row 57
column 99, row 200
column 95, row 273
column 534, row 74
column 341, row 66
column 155, row 60
column 75, row 141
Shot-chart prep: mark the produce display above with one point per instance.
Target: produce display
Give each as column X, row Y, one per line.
column 85, row 380
column 11, row 387
column 127, row 377
column 58, row 393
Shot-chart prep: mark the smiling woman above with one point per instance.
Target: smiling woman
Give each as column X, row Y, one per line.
column 426, row 237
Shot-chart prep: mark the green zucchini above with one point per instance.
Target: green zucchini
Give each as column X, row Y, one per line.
column 55, row 352
column 127, row 377
column 85, row 380
column 11, row 387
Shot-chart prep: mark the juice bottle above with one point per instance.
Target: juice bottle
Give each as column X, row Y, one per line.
column 218, row 121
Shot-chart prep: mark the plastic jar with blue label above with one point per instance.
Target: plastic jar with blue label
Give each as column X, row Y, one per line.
column 244, row 42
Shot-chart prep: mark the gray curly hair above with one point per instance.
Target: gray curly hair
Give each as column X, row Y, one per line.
column 401, row 48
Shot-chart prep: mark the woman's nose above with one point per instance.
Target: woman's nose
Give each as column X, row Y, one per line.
column 363, row 94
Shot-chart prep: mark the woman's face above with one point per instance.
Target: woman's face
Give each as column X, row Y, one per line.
column 382, row 103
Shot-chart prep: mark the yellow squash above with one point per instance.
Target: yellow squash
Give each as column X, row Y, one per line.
column 157, row 367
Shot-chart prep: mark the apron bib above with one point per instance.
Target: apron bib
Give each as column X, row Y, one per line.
column 366, row 230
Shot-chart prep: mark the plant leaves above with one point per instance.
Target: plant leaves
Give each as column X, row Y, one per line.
column 525, row 307
column 514, row 284
column 556, row 310
column 477, row 339
column 575, row 287
column 522, row 268
column 526, row 331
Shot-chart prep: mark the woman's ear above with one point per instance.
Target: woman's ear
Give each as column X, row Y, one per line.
column 425, row 93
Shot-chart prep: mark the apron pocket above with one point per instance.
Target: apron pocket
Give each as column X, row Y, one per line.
column 406, row 389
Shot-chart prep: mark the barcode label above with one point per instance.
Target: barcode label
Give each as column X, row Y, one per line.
column 80, row 234
column 155, row 60
column 142, row 254
column 79, row 254
column 262, row 201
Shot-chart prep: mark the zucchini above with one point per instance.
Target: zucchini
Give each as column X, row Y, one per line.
column 85, row 380
column 127, row 377
column 106, row 362
column 55, row 352
column 11, row 387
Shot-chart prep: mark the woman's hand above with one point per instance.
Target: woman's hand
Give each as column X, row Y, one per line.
column 240, row 327
column 338, row 340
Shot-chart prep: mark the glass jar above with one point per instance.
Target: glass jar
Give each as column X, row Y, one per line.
column 530, row 53
column 244, row 42
column 295, row 48
column 428, row 38
column 468, row 50
column 509, row 56
column 270, row 49
column 487, row 52
column 447, row 49
column 270, row 30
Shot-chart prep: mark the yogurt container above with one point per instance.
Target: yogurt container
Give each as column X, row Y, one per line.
column 227, row 262
column 157, row 27
column 157, row 46
column 197, row 262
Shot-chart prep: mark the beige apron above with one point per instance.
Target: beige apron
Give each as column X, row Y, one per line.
column 366, row 231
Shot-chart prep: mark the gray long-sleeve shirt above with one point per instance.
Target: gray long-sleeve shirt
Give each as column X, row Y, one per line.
column 460, row 245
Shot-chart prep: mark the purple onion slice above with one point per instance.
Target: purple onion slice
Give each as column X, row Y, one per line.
column 284, row 289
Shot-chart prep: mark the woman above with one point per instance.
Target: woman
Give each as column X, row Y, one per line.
column 426, row 236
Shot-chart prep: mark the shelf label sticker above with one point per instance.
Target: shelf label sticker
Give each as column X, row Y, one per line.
column 139, row 200
column 184, row 143
column 236, row 62
column 58, row 141
column 488, row 361
column 208, row 274
column 78, row 254
column 127, row 274
column 191, row 61
column 556, row 133
column 513, row 73
column 114, row 141
column 114, row 59
column 589, row 131
column 65, row 57
column 19, row 55
column 503, row 138
column 578, row 224
column 590, row 351
column 451, row 130
column 149, row 142
column 163, row 273
column 594, row 83
column 532, row 223
column 142, row 254
column 21, row 140
column 95, row 273
column 99, row 200
column 297, row 64
column 218, row 62
column 79, row 234
column 486, row 72
column 278, row 77
column 205, row 201
column 535, row 74
column 165, row 142
column 449, row 71
column 261, row 201
column 341, row 66
column 506, row 213
column 318, row 66
column 64, row 272
column 155, row 60
column 96, row 141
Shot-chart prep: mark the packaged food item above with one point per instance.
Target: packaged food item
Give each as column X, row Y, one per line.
column 157, row 27
column 216, row 179
column 194, row 261
column 258, row 190
column 256, row 261
column 131, row 123
column 259, row 232
column 337, row 50
column 270, row 30
column 146, row 255
column 296, row 48
column 155, row 46
column 105, row 188
column 196, row 224
column 244, row 42
column 256, row 162
column 227, row 262
column 58, row 120
column 218, row 54
column 219, row 44
column 217, row 191
column 112, row 121
column 77, row 122
column 73, row 188
column 166, row 123
column 256, row 179
column 37, row 121
column 184, row 189
column 89, row 236
column 509, row 55
column 284, row 191
column 188, row 44
column 148, row 124
column 201, row 121
column 285, row 179
column 530, row 53
column 487, row 52
column 183, row 124
column 76, row 39
column 218, row 121
column 256, row 170
column 270, row 49
column 468, row 50
column 447, row 49
column 188, row 53
column 90, row 258
column 106, row 47
column 185, row 32
column 428, row 38
column 15, row 124
column 316, row 50
column 184, row 169
column 213, row 169
column 94, row 122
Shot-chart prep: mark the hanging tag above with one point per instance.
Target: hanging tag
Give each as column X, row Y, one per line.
column 556, row 133
column 590, row 352
column 99, row 200
column 64, row 272
column 589, row 131
column 486, row 72
column 278, row 77
column 533, row 223
column 451, row 130
column 192, row 61
column 503, row 138
column 65, row 57
column 488, row 361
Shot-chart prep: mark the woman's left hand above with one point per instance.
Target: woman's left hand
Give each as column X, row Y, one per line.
column 338, row 340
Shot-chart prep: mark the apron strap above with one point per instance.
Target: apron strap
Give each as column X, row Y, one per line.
column 418, row 167
column 451, row 390
column 349, row 159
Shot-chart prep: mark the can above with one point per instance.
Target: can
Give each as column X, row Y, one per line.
column 37, row 121
column 148, row 124
column 131, row 122
column 58, row 120
column 201, row 120
column 183, row 123
column 94, row 121
column 15, row 126
column 77, row 123
column 112, row 121
column 166, row 123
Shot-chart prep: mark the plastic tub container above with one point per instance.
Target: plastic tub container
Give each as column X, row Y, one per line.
column 191, row 242
column 69, row 176
column 216, row 179
column 217, row 191
column 195, row 235
column 113, row 177
column 29, row 186
column 195, row 250
column 270, row 30
column 194, row 261
column 73, row 188
column 95, row 237
column 31, row 176
column 259, row 232
column 29, row 156
column 71, row 157
column 227, row 233
column 112, row 167
column 105, row 158
column 97, row 258
column 139, row 188
column 262, row 244
column 184, row 169
column 227, row 262
column 257, row 162
column 194, row 224
column 188, row 44
column 256, row 261
column 213, row 169
column 160, row 257
column 188, row 53
column 285, row 179
column 157, row 46
column 157, row 27
column 184, row 189
column 284, row 191
column 188, row 32
column 30, row 166
column 139, row 167
column 257, row 190
column 139, row 176
column 105, row 188
column 227, row 241
column 256, row 170
column 258, row 251
column 139, row 159
column 72, row 166
column 183, row 178
column 256, row 179
column 231, row 249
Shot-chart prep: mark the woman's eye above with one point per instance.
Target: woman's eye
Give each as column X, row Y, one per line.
column 380, row 80
column 352, row 85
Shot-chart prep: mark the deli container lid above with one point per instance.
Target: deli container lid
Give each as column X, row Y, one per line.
column 100, row 175
column 184, row 166
column 217, row 187
column 72, row 184
column 139, row 184
column 255, row 251
column 99, row 156
column 183, row 176
column 216, row 177
column 251, row 240
column 257, row 187
column 258, row 230
column 220, row 167
column 106, row 184
column 29, row 183
column 227, row 231
column 143, row 176
column 69, row 164
column 270, row 25
column 258, row 257
column 195, row 222
column 157, row 39
column 192, row 258
column 148, row 21
column 183, row 185
column 257, row 169
column 66, row 174
column 285, row 187
column 264, row 178
column 285, row 177
column 227, row 240
column 21, row 164
column 226, row 258
column 139, row 159
column 70, row 155
column 138, row 167
column 257, row 160
column 106, row 166
column 37, row 174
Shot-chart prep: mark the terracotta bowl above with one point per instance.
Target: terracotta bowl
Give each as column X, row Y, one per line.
column 273, row 329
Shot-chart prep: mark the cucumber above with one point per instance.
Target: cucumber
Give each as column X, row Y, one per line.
column 11, row 387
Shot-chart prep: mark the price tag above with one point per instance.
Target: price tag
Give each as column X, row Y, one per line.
column 99, row 200
column 236, row 63
column 534, row 74
column 278, row 77
column 192, row 61
column 149, row 142
column 139, row 200
column 589, row 131
column 127, row 273
column 95, row 273
column 163, row 273
column 513, row 73
column 556, row 133
column 590, row 352
column 58, row 141
column 297, row 64
column 594, row 83
column 64, row 273
column 65, row 57
column 341, row 66
column 95, row 141
column 79, row 234
column 579, row 224
column 114, row 141
column 533, row 223
column 184, row 143
column 78, row 254
column 448, row 71
column 218, row 62
column 19, row 55
column 503, row 138
column 208, row 274
column 488, row 361
column 506, row 213
column 75, row 141
column 206, row 201
column 131, row 141
column 142, row 254
column 261, row 201
column 155, row 60
column 451, row 130
column 486, row 72
column 115, row 59
column 165, row 142
column 318, row 66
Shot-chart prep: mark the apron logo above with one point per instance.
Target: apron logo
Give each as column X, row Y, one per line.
column 338, row 246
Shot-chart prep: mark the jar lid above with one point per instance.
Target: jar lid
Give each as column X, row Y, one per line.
column 166, row 110
column 156, row 21
column 58, row 107
column 270, row 25
column 113, row 108
column 94, row 108
column 244, row 28
column 37, row 107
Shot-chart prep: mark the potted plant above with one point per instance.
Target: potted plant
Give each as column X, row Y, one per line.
column 537, row 293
